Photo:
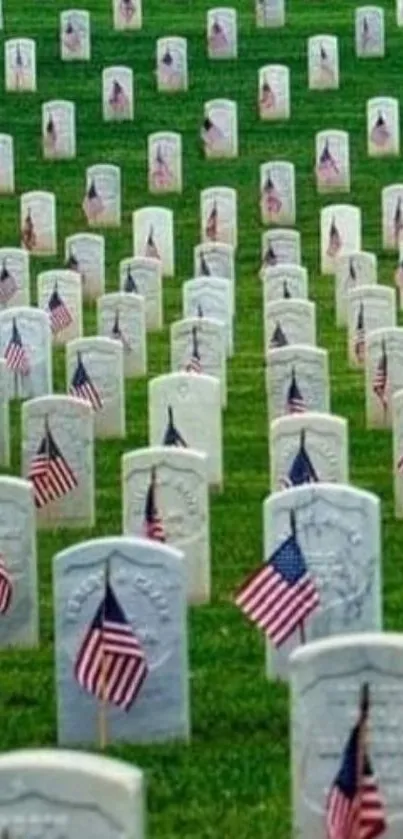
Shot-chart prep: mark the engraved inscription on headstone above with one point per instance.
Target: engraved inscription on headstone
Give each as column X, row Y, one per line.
column 308, row 448
column 284, row 282
column 297, row 380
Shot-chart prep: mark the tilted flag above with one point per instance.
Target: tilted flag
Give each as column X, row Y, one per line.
column 217, row 38
column 324, row 63
column 380, row 134
column 15, row 354
column 6, row 587
column 380, row 380
column 92, row 204
column 271, row 198
column 194, row 363
column 151, row 250
column 172, row 437
column 72, row 262
column 59, row 314
column 278, row 339
column 212, row 223
column 354, row 807
column 72, row 38
column 398, row 220
column 365, row 33
column 19, row 66
column 295, row 401
column 83, row 387
column 162, row 174
column 50, row 137
column 8, row 285
column 334, row 240
column 130, row 284
column 111, row 664
column 302, row 470
column 267, row 97
column 286, row 291
column 204, row 269
column 118, row 335
column 270, row 257
column 127, row 9
column 167, row 67
column 327, row 168
column 359, row 341
column 153, row 525
column 118, row 99
column 28, row 234
column 210, row 132
column 281, row 594
column 51, row 475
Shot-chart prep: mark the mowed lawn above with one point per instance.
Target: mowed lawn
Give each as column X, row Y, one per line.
column 233, row 779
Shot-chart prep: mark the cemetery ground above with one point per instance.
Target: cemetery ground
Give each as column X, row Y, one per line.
column 233, row 778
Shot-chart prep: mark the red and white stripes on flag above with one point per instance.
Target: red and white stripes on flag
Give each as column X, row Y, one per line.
column 6, row 587
column 50, row 473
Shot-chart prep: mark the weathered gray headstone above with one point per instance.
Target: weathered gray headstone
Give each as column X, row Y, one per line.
column 25, row 344
column 122, row 316
column 102, row 382
column 308, row 448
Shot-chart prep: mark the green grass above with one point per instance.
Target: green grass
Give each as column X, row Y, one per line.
column 233, row 779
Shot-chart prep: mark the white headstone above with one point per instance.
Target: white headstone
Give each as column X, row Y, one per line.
column 214, row 259
column 70, row 793
column 176, row 479
column 397, row 427
column 7, row 179
column 270, row 13
column 19, row 625
column 60, row 296
column 172, row 64
column 85, row 254
column 199, row 345
column 383, row 128
column 222, row 36
column 354, row 270
column 59, row 130
column 75, row 35
column 38, row 223
column 368, row 308
column 5, row 452
column 94, row 372
column 332, row 161
column 277, row 193
column 63, row 427
column 117, row 94
column 213, row 295
column 20, row 65
column 308, row 448
column 142, row 276
column 14, row 277
column 25, row 344
column 284, row 282
column 392, row 216
column 219, row 215
column 337, row 529
column 280, row 246
column 102, row 199
column 289, row 322
column 323, row 62
column 220, row 128
column 383, row 374
column 399, row 12
column 164, row 162
column 184, row 410
column 340, row 234
column 369, row 32
column 297, row 380
column 122, row 316
column 274, row 92
column 127, row 14
column 153, row 236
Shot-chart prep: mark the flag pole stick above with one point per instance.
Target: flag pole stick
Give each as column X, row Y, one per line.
column 362, row 736
column 102, row 720
column 293, row 526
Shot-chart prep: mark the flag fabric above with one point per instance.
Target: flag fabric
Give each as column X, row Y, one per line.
column 51, row 475
column 50, row 137
column 271, row 199
column 217, row 38
column 380, row 134
column 325, row 65
column 172, row 437
column 286, row 291
column 327, row 168
column 210, row 133
column 118, row 335
column 72, row 262
column 72, row 38
column 6, row 587
column 352, row 273
column 161, row 173
column 127, row 9
column 295, row 402
column 59, row 314
column 153, row 525
column 111, row 664
column 151, row 250
column 365, row 34
column 278, row 339
column 83, row 387
column 204, row 269
column 354, row 807
column 118, row 99
column 92, row 205
column 15, row 355
column 334, row 241
column 8, row 285
column 130, row 284
column 267, row 97
column 212, row 223
column 380, row 380
column 28, row 234
column 302, row 470
column 281, row 594
column 194, row 363
column 270, row 257
column 359, row 341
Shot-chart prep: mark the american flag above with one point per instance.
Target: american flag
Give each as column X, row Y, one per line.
column 210, row 133
column 278, row 339
column 352, row 273
column 359, row 342
column 354, row 808
column 398, row 220
column 172, row 437
column 200, row 312
column 151, row 250
column 334, row 241
column 51, row 475
column 271, row 198
column 324, row 63
column 295, row 401
column 280, row 595
column 72, row 262
column 365, row 33
column 162, row 175
column 92, row 205
column 127, row 9
column 6, row 587
column 286, row 291
column 380, row 380
column 204, row 269
column 153, row 526
column 8, row 285
column 28, row 234
column 217, row 38
column 15, row 355
column 167, row 68
column 59, row 314
column 267, row 97
column 302, row 470
column 50, row 134
column 327, row 168
column 83, row 387
column 212, row 223
column 111, row 664
column 270, row 257
column 19, row 66
column 194, row 363
column 118, row 335
column 130, row 284
column 380, row 134
column 118, row 99
column 72, row 38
